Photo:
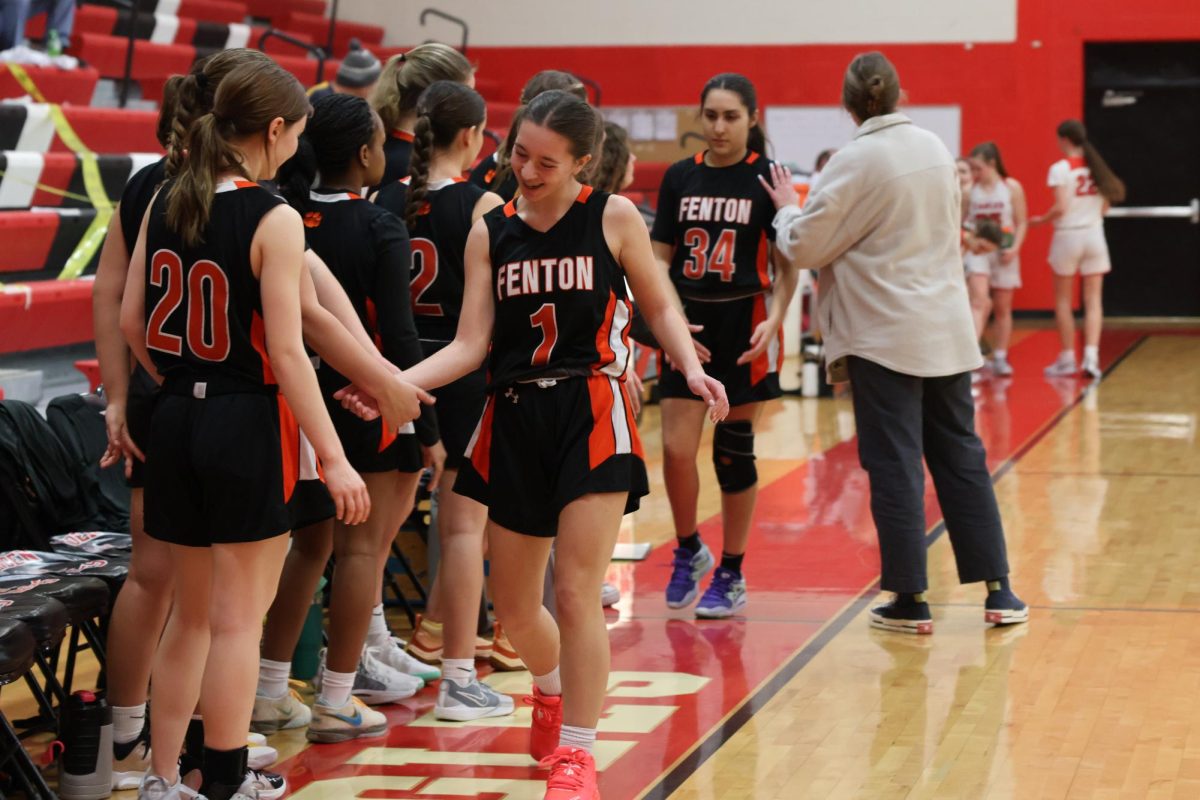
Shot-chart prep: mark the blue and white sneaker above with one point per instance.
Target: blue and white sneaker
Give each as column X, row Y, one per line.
column 725, row 597
column 686, row 574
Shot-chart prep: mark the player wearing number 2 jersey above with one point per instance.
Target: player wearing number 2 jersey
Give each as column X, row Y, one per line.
column 214, row 304
column 713, row 234
column 1084, row 186
column 440, row 208
column 557, row 452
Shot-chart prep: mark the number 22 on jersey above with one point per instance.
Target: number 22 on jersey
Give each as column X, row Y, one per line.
column 207, row 290
column 700, row 260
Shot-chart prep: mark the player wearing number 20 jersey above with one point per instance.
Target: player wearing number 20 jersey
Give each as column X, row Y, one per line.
column 206, row 336
column 718, row 219
column 558, row 424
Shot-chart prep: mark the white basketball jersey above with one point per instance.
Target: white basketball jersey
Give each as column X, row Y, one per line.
column 994, row 204
column 1085, row 206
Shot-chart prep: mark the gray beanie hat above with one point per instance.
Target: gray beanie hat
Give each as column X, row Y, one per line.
column 359, row 68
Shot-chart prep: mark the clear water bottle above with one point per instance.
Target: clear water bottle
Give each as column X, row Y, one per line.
column 54, row 47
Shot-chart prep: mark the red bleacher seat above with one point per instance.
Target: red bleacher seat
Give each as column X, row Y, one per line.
column 103, row 130
column 107, row 54
column 276, row 10
column 317, row 27
column 56, row 85
column 28, row 237
column 213, row 10
column 45, row 314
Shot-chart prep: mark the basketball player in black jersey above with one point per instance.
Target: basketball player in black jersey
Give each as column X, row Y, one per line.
column 140, row 611
column 713, row 236
column 495, row 171
column 439, row 208
column 218, row 306
column 395, row 99
column 556, row 454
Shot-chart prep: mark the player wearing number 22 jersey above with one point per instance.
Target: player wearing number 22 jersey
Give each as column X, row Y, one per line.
column 718, row 219
column 223, row 455
column 558, row 424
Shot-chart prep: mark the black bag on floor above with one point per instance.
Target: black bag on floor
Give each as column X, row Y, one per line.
column 78, row 421
column 39, row 490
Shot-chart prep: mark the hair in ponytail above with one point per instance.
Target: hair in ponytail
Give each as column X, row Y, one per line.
column 247, row 101
column 990, row 153
column 1112, row 187
column 614, row 159
column 544, row 81
column 406, row 75
column 871, row 87
column 444, row 110
column 186, row 98
column 744, row 89
column 340, row 126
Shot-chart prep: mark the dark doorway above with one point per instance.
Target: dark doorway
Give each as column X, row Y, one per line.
column 1142, row 110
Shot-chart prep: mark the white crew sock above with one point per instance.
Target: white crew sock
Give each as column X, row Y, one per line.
column 583, row 738
column 378, row 634
column 459, row 670
column 1091, row 353
column 273, row 678
column 1000, row 355
column 128, row 722
column 1067, row 356
column 335, row 688
column 550, row 683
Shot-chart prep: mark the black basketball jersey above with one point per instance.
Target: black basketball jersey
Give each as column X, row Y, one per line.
column 397, row 153
column 562, row 307
column 719, row 221
column 136, row 197
column 484, row 175
column 203, row 305
column 438, row 244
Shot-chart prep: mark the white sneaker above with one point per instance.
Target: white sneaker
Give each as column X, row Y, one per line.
column 1062, row 367
column 261, row 756
column 377, row 683
column 1091, row 368
column 352, row 721
column 1001, row 367
column 396, row 656
column 609, row 595
column 263, row 785
column 154, row 787
column 476, row 700
column 273, row 714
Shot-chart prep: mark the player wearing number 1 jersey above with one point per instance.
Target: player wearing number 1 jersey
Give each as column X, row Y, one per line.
column 1084, row 186
column 213, row 304
column 556, row 453
column 439, row 208
column 713, row 235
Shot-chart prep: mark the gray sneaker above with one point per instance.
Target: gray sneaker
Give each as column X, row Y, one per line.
column 154, row 787
column 476, row 700
column 1001, row 367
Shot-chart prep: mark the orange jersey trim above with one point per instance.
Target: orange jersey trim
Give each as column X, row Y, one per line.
column 258, row 339
column 289, row 444
column 481, row 456
column 403, row 136
column 602, row 441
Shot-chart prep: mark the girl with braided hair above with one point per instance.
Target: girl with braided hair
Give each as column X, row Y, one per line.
column 395, row 99
column 440, row 207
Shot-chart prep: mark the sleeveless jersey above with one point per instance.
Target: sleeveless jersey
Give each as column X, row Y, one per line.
column 562, row 308
column 136, row 197
column 203, row 306
column 438, row 244
column 397, row 153
column 484, row 174
column 994, row 204
column 719, row 221
column 1085, row 207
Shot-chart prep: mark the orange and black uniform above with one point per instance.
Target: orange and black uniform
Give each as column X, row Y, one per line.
column 367, row 249
column 557, row 424
column 438, row 243
column 718, row 219
column 484, row 174
column 397, row 153
column 224, row 449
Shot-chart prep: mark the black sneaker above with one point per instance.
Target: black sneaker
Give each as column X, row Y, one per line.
column 904, row 617
column 1005, row 608
column 131, row 761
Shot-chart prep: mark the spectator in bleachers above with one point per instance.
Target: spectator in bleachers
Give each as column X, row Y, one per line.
column 60, row 18
column 358, row 75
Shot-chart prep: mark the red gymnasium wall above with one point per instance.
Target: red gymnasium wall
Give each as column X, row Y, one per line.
column 1013, row 93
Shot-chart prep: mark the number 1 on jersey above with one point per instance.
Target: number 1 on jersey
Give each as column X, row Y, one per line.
column 700, row 261
column 545, row 319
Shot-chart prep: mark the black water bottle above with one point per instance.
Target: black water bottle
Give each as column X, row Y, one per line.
column 85, row 760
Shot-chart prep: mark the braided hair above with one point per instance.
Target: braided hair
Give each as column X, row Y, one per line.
column 341, row 125
column 443, row 111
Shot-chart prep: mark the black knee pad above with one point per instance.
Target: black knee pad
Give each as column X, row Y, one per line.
column 733, row 456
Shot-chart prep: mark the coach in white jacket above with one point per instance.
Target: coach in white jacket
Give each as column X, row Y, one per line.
column 884, row 229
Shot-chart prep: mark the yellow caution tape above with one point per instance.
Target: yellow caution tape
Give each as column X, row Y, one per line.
column 93, row 237
column 41, row 187
column 26, row 82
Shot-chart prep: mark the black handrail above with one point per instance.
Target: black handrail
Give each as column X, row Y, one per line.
column 292, row 40
column 683, row 140
column 593, row 85
column 333, row 15
column 133, row 9
column 466, row 29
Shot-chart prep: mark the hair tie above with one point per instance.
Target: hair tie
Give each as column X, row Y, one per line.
column 202, row 81
column 402, row 58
